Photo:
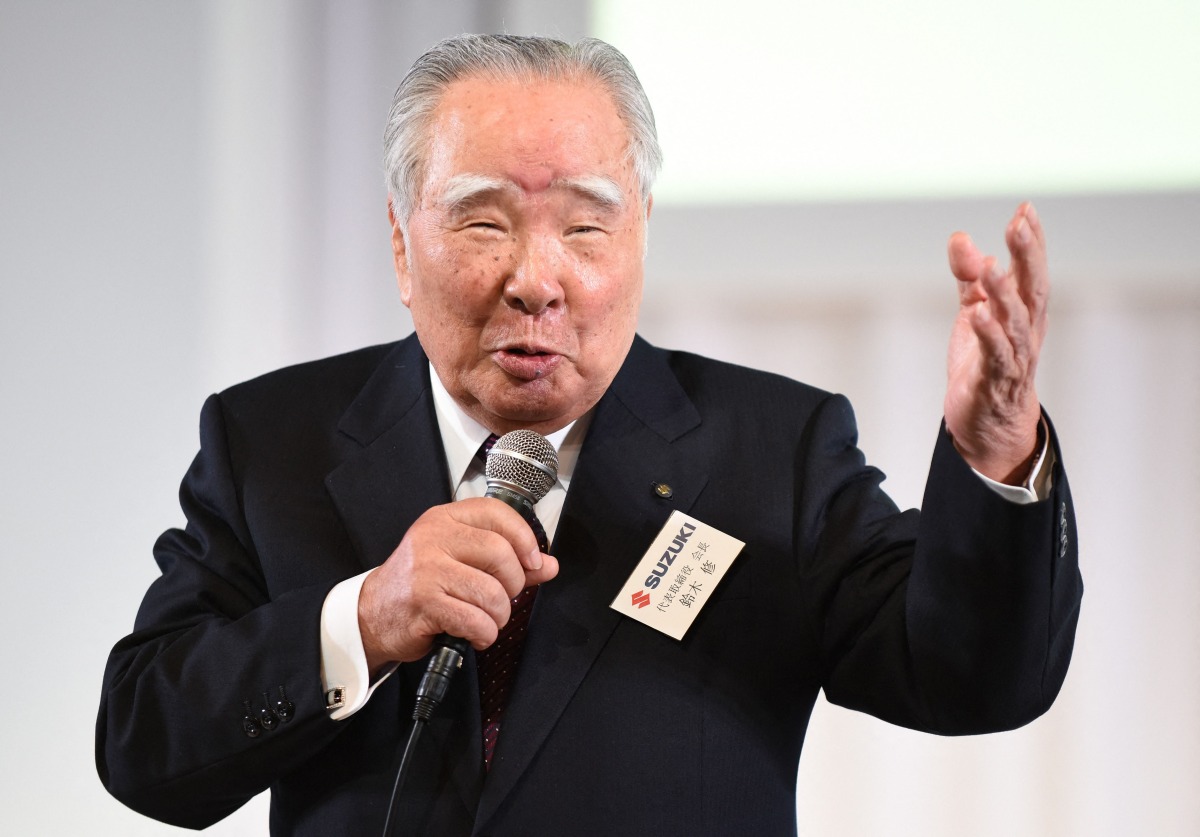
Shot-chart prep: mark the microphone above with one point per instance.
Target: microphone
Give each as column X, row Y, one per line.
column 521, row 468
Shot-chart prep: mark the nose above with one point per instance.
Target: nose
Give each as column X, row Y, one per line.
column 536, row 282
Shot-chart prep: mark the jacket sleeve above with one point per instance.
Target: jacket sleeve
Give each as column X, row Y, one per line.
column 211, row 645
column 958, row 620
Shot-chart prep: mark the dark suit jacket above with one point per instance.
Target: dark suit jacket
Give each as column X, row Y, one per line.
column 956, row 620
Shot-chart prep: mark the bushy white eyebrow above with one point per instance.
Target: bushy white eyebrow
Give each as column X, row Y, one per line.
column 464, row 188
column 602, row 190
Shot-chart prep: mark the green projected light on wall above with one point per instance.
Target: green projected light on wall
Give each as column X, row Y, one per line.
column 866, row 99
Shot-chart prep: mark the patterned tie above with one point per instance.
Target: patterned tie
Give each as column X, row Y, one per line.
column 497, row 664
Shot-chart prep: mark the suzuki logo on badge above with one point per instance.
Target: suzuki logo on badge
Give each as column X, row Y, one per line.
column 668, row 556
column 641, row 598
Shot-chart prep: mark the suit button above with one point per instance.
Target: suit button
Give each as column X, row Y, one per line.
column 284, row 708
column 249, row 723
column 266, row 717
column 661, row 489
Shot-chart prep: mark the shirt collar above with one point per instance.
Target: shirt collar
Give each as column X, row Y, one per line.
column 462, row 437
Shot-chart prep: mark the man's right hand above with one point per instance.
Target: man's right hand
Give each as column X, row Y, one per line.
column 454, row 572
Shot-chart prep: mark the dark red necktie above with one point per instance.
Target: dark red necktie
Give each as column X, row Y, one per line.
column 497, row 664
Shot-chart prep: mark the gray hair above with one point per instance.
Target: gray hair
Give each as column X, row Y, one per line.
column 508, row 57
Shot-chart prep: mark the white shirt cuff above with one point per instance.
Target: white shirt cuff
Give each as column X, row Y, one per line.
column 1037, row 486
column 343, row 661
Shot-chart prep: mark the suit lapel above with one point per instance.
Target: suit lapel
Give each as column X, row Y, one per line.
column 400, row 469
column 610, row 516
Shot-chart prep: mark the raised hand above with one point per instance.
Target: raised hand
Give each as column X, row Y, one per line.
column 991, row 407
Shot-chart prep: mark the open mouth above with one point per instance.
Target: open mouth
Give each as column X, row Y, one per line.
column 526, row 363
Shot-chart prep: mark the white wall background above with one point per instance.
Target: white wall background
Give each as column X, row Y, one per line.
column 190, row 195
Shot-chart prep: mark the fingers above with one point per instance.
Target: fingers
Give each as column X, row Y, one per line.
column 476, row 607
column 1026, row 242
column 484, row 516
column 546, row 572
column 991, row 319
column 967, row 265
column 1016, row 299
column 455, row 571
column 1007, row 307
column 490, row 554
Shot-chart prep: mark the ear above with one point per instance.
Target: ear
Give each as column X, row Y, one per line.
column 400, row 257
column 646, row 226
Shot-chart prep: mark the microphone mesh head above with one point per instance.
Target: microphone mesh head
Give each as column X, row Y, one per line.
column 524, row 461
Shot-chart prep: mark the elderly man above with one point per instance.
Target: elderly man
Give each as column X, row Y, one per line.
column 336, row 523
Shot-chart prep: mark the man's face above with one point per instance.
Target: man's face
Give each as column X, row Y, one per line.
column 522, row 263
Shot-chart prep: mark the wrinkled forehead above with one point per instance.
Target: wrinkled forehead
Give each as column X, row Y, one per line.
column 487, row 133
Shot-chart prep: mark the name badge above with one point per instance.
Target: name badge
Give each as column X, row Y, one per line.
column 677, row 575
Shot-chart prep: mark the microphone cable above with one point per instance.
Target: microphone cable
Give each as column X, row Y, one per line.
column 447, row 658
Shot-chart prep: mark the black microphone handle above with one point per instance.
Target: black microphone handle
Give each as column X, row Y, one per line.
column 515, row 499
column 448, row 654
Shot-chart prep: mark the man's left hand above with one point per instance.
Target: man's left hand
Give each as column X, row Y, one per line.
column 991, row 408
